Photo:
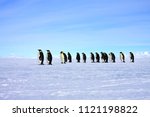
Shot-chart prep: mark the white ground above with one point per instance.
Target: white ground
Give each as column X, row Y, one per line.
column 25, row 79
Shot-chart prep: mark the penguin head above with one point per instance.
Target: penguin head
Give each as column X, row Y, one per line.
column 39, row 50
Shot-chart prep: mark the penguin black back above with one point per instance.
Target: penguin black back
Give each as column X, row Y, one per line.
column 92, row 58
column 69, row 57
column 41, row 57
column 78, row 57
column 97, row 57
column 84, row 57
column 49, row 57
column 105, row 57
column 102, row 57
column 65, row 57
column 131, row 57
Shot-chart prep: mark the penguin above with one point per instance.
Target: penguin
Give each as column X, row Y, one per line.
column 92, row 57
column 78, row 57
column 105, row 57
column 97, row 57
column 102, row 57
column 112, row 57
column 84, row 57
column 40, row 57
column 131, row 57
column 49, row 57
column 69, row 58
column 122, row 57
column 65, row 57
column 62, row 58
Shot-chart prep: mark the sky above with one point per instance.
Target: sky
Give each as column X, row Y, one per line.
column 73, row 26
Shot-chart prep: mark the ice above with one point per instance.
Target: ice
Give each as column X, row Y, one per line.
column 24, row 79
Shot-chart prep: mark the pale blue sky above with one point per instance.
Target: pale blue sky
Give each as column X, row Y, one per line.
column 73, row 25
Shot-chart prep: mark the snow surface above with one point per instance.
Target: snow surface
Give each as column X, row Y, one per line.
column 25, row 79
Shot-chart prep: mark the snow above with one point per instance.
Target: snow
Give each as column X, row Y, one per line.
column 25, row 79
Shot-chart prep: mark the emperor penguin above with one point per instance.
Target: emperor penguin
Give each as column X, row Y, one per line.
column 131, row 57
column 112, row 57
column 105, row 57
column 49, row 57
column 40, row 57
column 92, row 57
column 122, row 57
column 97, row 57
column 78, row 57
column 65, row 57
column 62, row 57
column 69, row 58
column 84, row 57
column 102, row 57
